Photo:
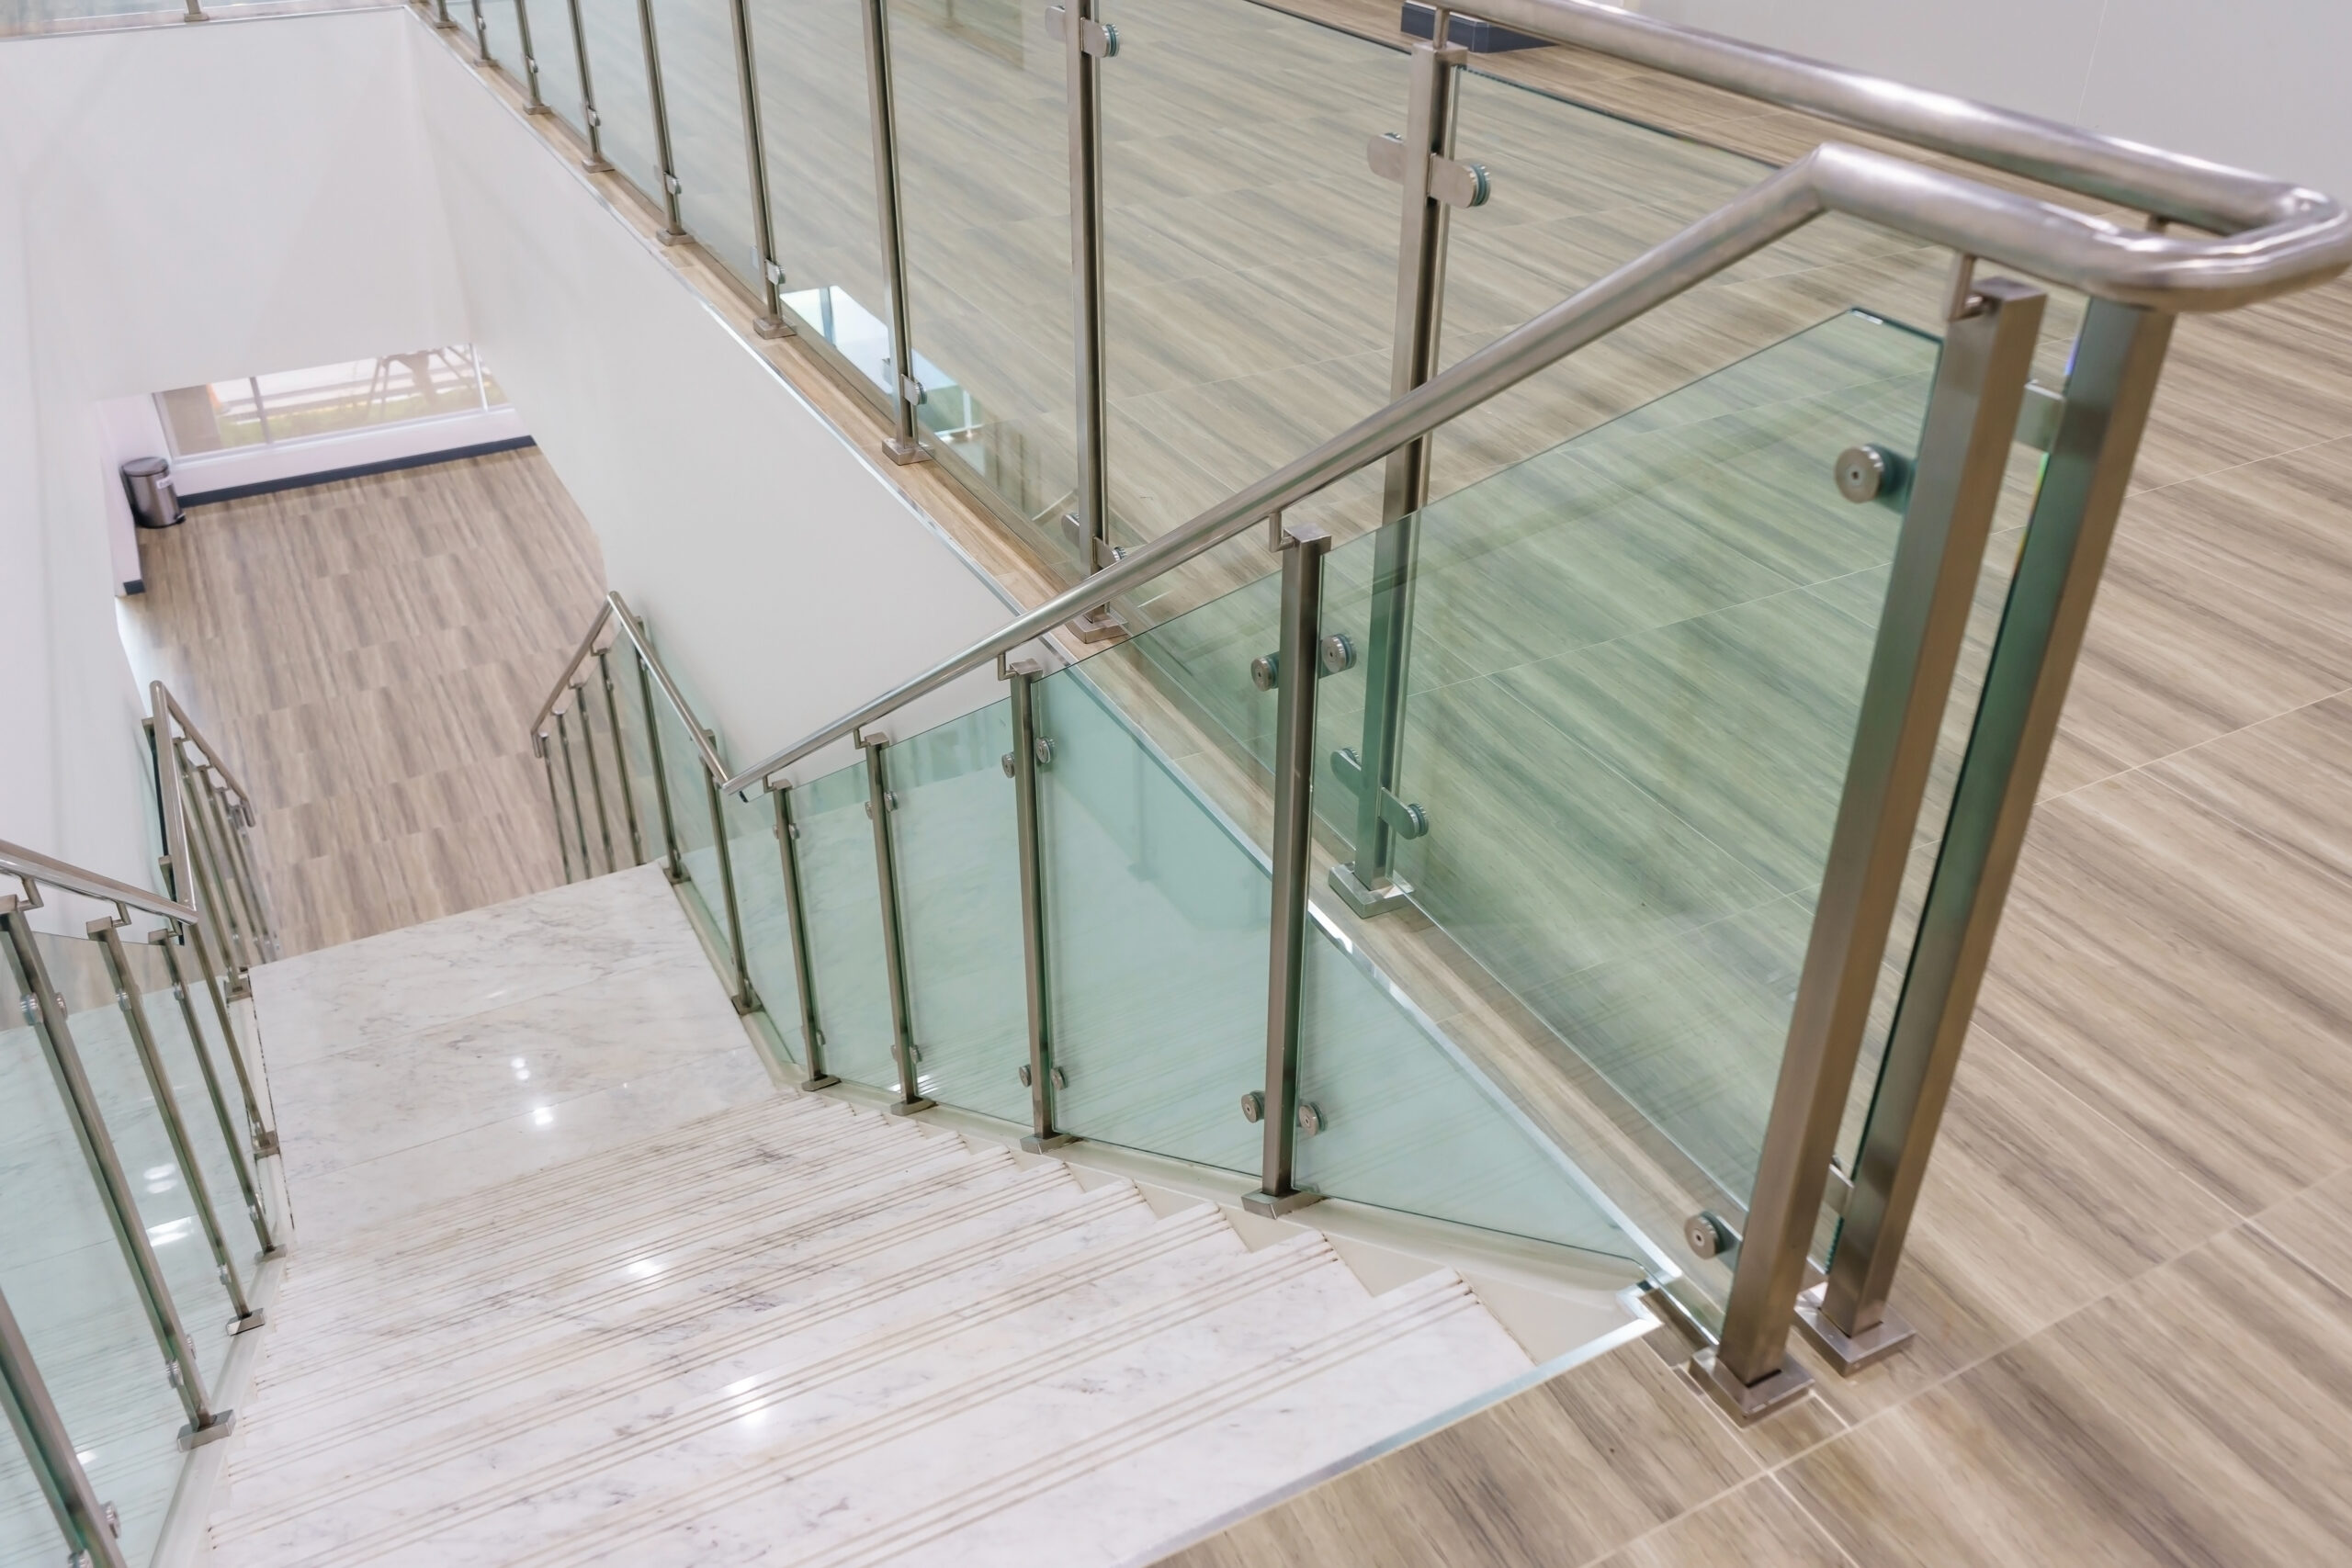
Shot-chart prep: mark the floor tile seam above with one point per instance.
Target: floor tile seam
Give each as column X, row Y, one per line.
column 2340, row 437
column 1255, row 1273
column 1755, row 1478
column 2235, row 818
column 710, row 1412
column 1232, row 1390
column 466, row 1249
column 512, row 1328
column 2256, row 1223
column 2179, row 751
column 358, row 1166
column 564, row 1349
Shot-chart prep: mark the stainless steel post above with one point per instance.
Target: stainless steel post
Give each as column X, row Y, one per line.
column 239, row 813
column 620, row 758
column 596, row 163
column 167, row 940
column 45, row 1010
column 905, row 444
column 812, row 1032
column 2118, row 356
column 194, row 13
column 1963, row 451
column 674, row 862
column 595, row 772
column 674, row 228
column 770, row 322
column 879, row 803
column 1368, row 883
column 236, row 870
column 264, row 1136
column 747, row 1000
column 555, row 806
column 1304, row 548
column 49, row 1449
column 571, row 787
column 159, row 1085
column 530, row 58
column 441, row 16
column 214, row 899
column 1044, row 1078
column 1086, row 43
column 481, row 35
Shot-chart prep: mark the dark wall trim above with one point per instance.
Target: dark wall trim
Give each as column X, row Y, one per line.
column 359, row 471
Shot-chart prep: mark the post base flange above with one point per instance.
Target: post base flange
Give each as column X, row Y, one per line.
column 1274, row 1205
column 1749, row 1403
column 1850, row 1353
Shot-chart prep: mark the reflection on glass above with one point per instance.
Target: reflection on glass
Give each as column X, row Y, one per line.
column 624, row 102
column 71, row 1289
column 295, row 405
column 704, row 94
column 816, row 129
column 843, row 898
column 984, row 162
column 959, row 892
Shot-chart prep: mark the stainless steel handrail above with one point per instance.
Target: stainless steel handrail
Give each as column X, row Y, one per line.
column 2128, row 173
column 564, row 683
column 616, row 611
column 31, row 865
column 164, row 702
column 2099, row 257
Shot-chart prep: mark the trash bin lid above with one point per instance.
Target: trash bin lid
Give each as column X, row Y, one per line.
column 145, row 469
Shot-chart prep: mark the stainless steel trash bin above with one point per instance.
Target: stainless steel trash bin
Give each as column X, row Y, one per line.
column 154, row 502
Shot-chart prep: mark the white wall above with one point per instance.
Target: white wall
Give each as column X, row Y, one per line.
column 2254, row 82
column 784, row 581
column 177, row 204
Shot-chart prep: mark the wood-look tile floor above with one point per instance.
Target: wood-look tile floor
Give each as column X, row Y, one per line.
column 2125, row 1269
column 368, row 655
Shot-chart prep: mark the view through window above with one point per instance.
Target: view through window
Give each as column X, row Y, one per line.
column 299, row 405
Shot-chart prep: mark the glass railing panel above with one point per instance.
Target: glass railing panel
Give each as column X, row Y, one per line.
column 72, row 1291
column 1251, row 253
column 842, row 896
column 28, row 1532
column 703, row 91
column 959, row 899
column 556, row 50
column 689, row 786
column 624, row 101
column 817, row 128
column 501, row 36
column 167, row 1022
column 1155, row 911
column 1635, row 666
column 984, row 162
column 762, row 904
column 77, row 967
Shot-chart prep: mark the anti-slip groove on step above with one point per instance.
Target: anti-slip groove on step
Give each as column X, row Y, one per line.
column 632, row 1190
column 750, row 1395
column 787, row 1181
column 1246, row 1277
column 507, row 1201
column 567, row 1353
column 1421, row 1305
column 919, row 1220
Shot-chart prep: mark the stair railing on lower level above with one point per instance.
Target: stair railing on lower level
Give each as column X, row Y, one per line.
column 1945, row 494
column 132, row 1027
column 209, row 863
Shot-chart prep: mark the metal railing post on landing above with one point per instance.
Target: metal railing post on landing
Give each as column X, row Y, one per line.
column 555, row 805
column 1043, row 1078
column 49, row 1449
column 530, row 58
column 620, row 758
column 596, row 163
column 264, row 1136
column 595, row 772
column 571, row 788
column 770, row 322
column 167, row 940
column 481, row 35
column 159, row 1085
column 1297, row 676
column 905, row 444
column 441, row 16
column 747, row 1000
column 2118, row 357
column 1956, row 483
column 880, row 802
column 1086, row 41
column 674, row 862
column 45, row 1010
column 675, row 226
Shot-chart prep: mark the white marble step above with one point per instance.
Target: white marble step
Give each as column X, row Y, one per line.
column 825, row 1242
column 633, row 1374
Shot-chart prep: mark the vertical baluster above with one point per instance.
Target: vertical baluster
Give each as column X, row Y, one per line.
column 571, row 791
column 746, row 998
column 787, row 839
column 620, row 760
column 674, row 862
column 675, row 229
column 905, row 444
column 596, row 772
column 880, row 802
column 555, row 804
column 596, row 163
column 1043, row 1077
column 1086, row 43
column 530, row 58
column 168, row 942
column 49, row 1447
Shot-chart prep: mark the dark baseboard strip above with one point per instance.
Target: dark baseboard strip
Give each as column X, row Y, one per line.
column 358, row 471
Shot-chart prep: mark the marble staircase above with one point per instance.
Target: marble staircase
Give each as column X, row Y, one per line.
column 783, row 1329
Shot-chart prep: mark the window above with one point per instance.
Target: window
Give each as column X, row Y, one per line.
column 299, row 405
